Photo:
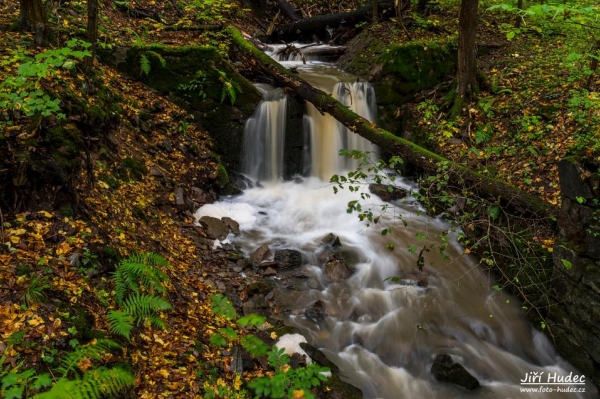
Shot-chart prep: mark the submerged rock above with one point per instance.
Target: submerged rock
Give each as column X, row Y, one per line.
column 446, row 370
column 336, row 270
column 288, row 258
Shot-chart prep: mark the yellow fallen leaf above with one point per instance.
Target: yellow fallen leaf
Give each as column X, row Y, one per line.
column 467, row 251
column 45, row 214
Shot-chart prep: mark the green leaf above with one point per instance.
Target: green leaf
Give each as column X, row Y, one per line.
column 568, row 265
column 15, row 392
column 42, row 381
column 494, row 211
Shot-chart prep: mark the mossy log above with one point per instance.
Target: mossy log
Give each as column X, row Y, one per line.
column 307, row 27
column 501, row 192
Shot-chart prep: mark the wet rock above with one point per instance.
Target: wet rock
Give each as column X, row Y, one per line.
column 241, row 360
column 331, row 239
column 338, row 389
column 387, row 193
column 357, row 340
column 288, row 258
column 297, row 360
column 234, row 256
column 180, row 199
column 234, row 226
column 198, row 195
column 261, row 254
column 336, row 270
column 215, row 228
column 318, row 357
column 316, row 312
column 269, row 271
column 446, row 370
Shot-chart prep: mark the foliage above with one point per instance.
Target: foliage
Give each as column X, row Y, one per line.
column 194, row 89
column 230, row 87
column 76, row 377
column 23, row 91
column 134, row 274
column 286, row 381
column 34, row 292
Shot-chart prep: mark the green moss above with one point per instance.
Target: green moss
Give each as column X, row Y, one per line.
column 67, row 211
column 130, row 169
column 111, row 181
column 110, row 253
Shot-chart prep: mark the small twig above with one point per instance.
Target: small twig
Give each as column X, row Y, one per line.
column 1, row 226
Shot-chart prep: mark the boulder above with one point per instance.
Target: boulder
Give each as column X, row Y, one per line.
column 215, row 228
column 336, row 270
column 387, row 193
column 318, row 357
column 234, row 226
column 571, row 183
column 446, row 370
column 288, row 258
column 316, row 312
column 331, row 239
column 261, row 254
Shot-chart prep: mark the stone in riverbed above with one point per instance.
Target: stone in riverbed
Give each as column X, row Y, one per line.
column 336, row 270
column 215, row 228
column 261, row 254
column 288, row 258
column 446, row 370
column 234, row 226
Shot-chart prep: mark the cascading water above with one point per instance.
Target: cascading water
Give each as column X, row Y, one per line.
column 264, row 136
column 326, row 136
column 384, row 333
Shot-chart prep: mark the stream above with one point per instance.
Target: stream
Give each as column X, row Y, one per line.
column 382, row 332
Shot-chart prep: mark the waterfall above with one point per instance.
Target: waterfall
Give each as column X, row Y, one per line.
column 264, row 136
column 327, row 136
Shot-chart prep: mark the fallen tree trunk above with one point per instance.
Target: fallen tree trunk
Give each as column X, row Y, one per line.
column 287, row 9
column 319, row 25
column 501, row 192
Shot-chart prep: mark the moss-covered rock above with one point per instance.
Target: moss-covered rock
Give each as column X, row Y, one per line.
column 199, row 79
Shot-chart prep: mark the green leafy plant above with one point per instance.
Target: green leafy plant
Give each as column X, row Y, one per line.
column 146, row 54
column 285, row 380
column 75, row 377
column 137, row 273
column 230, row 87
column 194, row 89
column 34, row 292
column 23, row 92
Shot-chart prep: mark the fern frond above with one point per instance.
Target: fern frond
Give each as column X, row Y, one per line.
column 159, row 57
column 140, row 269
column 143, row 305
column 120, row 323
column 93, row 350
column 144, row 64
column 95, row 384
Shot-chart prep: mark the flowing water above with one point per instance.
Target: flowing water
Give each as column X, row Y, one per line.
column 383, row 333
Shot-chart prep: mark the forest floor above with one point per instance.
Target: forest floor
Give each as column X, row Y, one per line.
column 55, row 261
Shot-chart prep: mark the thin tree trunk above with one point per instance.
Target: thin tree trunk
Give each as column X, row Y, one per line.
column 375, row 11
column 593, row 65
column 32, row 16
column 92, row 34
column 467, row 52
column 500, row 191
column 519, row 16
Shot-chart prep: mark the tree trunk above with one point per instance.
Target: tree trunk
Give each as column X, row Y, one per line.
column 502, row 193
column 319, row 25
column 519, row 16
column 467, row 52
column 375, row 11
column 593, row 65
column 32, row 16
column 92, row 34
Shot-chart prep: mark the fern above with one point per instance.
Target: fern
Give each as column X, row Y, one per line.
column 138, row 308
column 144, row 64
column 163, row 62
column 34, row 293
column 120, row 323
column 230, row 87
column 95, row 384
column 144, row 306
column 93, row 350
column 140, row 269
